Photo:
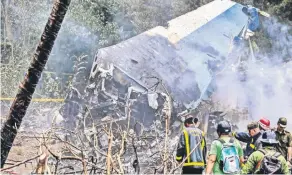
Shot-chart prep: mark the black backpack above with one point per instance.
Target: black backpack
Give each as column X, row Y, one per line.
column 270, row 164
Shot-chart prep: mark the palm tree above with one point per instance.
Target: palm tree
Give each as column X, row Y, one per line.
column 27, row 87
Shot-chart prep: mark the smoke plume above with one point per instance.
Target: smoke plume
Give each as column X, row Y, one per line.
column 264, row 86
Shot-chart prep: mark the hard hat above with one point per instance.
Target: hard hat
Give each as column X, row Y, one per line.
column 269, row 137
column 223, row 127
column 264, row 123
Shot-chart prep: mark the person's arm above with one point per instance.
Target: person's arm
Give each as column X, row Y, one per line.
column 180, row 152
column 240, row 153
column 242, row 136
column 250, row 165
column 212, row 158
column 210, row 164
column 285, row 167
column 289, row 156
column 204, row 148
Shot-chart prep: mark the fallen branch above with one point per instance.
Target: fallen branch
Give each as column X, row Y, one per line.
column 10, row 172
column 20, row 163
column 74, row 172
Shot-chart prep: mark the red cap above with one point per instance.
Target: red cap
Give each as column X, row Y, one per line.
column 264, row 123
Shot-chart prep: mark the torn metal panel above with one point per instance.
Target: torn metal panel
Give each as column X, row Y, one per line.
column 152, row 100
column 118, row 95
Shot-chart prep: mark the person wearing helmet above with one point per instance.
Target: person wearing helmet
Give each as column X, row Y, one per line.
column 253, row 23
column 252, row 138
column 266, row 160
column 192, row 147
column 253, row 17
column 215, row 164
column 264, row 124
column 285, row 140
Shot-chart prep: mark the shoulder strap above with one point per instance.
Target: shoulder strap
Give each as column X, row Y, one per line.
column 263, row 151
column 222, row 146
column 221, row 141
column 277, row 154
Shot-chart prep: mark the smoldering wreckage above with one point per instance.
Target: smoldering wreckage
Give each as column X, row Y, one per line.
column 126, row 118
column 144, row 93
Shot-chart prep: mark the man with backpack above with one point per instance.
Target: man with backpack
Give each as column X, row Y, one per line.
column 226, row 154
column 252, row 138
column 192, row 147
column 266, row 160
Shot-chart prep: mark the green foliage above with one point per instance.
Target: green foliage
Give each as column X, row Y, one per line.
column 280, row 8
column 98, row 17
column 284, row 10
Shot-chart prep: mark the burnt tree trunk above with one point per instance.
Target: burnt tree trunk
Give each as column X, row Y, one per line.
column 27, row 87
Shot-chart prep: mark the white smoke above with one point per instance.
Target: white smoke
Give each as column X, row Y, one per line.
column 267, row 89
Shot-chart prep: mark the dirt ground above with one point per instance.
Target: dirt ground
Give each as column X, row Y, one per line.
column 26, row 144
column 23, row 148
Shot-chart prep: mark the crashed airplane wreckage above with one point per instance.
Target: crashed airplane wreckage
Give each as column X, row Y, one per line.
column 145, row 82
column 141, row 86
column 165, row 68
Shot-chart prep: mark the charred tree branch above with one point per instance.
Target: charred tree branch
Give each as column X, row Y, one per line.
column 20, row 163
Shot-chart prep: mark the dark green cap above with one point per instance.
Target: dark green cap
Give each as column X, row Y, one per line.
column 252, row 125
column 282, row 122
